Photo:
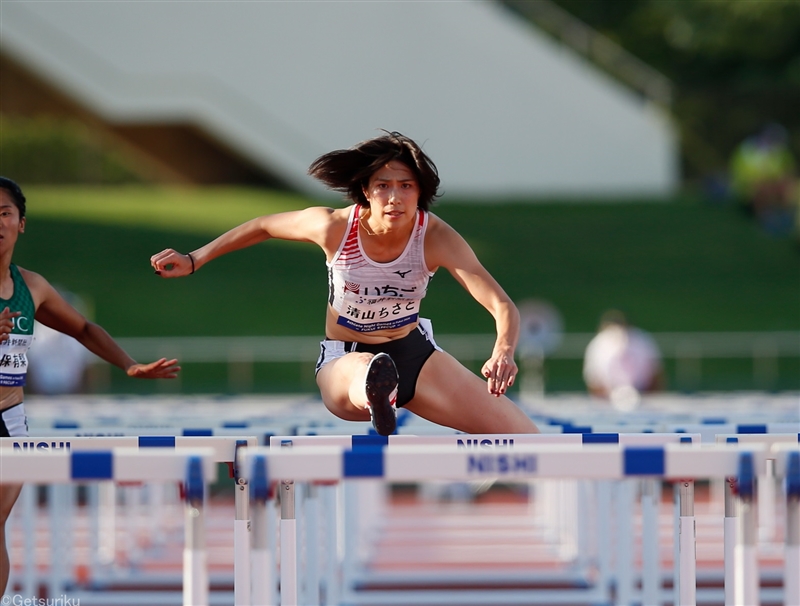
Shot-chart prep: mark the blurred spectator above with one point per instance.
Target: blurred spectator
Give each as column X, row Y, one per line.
column 622, row 362
column 58, row 362
column 763, row 177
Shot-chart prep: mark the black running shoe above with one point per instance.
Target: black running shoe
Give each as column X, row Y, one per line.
column 382, row 393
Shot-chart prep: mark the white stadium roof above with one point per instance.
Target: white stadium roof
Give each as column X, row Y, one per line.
column 501, row 108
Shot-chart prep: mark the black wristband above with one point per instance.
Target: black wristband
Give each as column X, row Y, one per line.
column 191, row 258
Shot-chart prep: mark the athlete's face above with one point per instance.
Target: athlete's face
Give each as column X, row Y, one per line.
column 11, row 225
column 393, row 193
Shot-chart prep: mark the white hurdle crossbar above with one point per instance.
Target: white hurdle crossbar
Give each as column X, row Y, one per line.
column 485, row 442
column 528, row 461
column 194, row 467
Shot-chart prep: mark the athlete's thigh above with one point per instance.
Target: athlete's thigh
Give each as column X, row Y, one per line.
column 449, row 394
column 334, row 381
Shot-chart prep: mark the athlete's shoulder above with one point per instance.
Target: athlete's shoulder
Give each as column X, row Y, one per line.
column 37, row 284
column 323, row 215
column 340, row 214
column 444, row 246
column 328, row 226
column 32, row 279
column 438, row 227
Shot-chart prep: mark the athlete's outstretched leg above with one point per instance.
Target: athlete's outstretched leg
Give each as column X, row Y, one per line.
column 449, row 394
column 8, row 496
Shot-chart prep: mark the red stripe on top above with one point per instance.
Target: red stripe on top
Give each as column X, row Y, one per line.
column 351, row 251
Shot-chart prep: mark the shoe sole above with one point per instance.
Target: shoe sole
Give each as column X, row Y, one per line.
column 381, row 383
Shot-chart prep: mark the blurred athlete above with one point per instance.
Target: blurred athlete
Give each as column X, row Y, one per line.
column 382, row 251
column 622, row 362
column 24, row 297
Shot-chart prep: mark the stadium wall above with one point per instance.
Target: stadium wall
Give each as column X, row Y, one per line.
column 505, row 111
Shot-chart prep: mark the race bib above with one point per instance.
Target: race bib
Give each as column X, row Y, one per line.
column 14, row 361
column 364, row 314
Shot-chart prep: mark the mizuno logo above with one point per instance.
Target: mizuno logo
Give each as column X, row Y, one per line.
column 402, row 274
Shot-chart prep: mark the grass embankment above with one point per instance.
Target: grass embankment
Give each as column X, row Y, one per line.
column 680, row 266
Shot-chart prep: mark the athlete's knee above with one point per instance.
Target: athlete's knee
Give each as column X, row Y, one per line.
column 362, row 358
column 343, row 367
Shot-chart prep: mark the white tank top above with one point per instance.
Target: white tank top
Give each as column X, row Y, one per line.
column 370, row 296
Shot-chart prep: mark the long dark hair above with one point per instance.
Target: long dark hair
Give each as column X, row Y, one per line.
column 16, row 194
column 349, row 170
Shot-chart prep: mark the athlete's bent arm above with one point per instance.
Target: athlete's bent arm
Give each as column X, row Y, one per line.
column 449, row 250
column 307, row 225
column 53, row 311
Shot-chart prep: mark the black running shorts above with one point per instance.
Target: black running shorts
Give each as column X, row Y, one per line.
column 409, row 354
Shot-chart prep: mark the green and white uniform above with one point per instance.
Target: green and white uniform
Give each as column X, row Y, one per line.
column 14, row 351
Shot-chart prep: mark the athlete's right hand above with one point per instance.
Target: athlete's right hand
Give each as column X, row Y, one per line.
column 170, row 263
column 7, row 323
column 160, row 369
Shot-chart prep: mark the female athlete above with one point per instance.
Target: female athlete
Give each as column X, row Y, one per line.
column 382, row 251
column 24, row 297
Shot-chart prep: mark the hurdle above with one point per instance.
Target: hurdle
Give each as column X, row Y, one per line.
column 222, row 449
column 194, row 467
column 711, row 415
column 591, row 461
column 563, row 525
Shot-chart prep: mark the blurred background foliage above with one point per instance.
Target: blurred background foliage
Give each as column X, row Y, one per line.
column 679, row 266
column 735, row 65
column 49, row 149
column 683, row 266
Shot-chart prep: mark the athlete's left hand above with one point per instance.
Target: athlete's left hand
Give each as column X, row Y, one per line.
column 500, row 371
column 160, row 369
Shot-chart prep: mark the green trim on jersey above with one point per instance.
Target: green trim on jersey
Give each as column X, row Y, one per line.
column 20, row 301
